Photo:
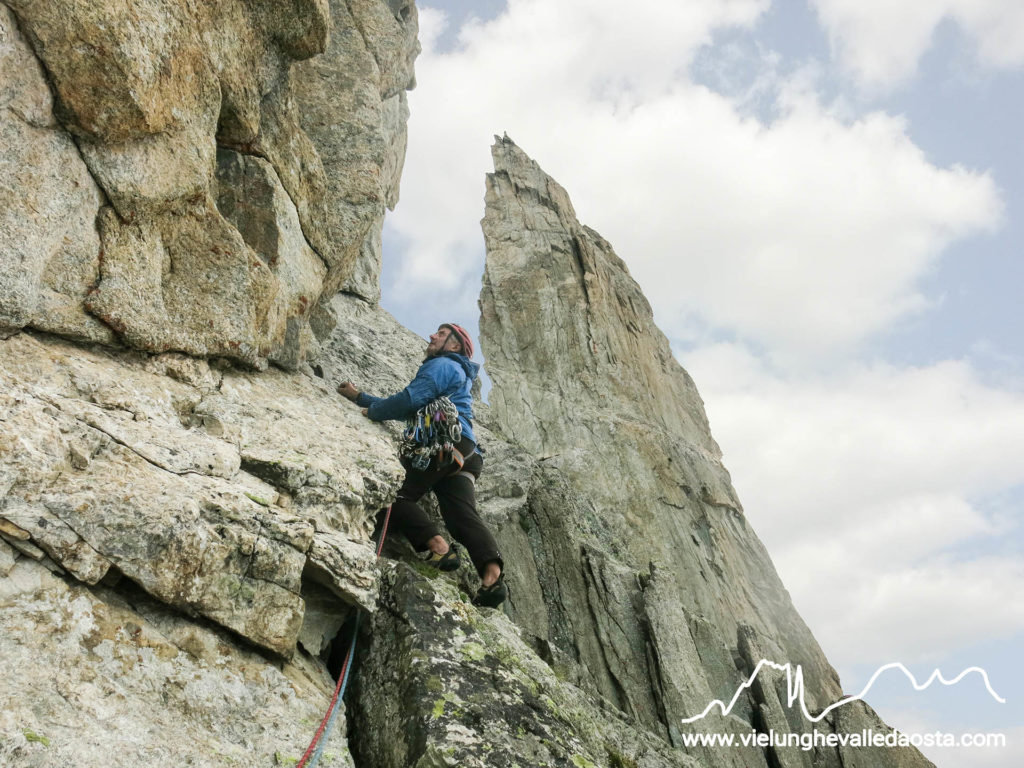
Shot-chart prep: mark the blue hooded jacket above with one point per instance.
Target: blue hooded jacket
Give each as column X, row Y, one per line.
column 450, row 374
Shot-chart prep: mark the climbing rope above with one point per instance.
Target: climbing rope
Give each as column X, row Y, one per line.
column 311, row 757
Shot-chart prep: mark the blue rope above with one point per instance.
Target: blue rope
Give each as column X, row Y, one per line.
column 310, row 760
column 324, row 732
column 334, row 712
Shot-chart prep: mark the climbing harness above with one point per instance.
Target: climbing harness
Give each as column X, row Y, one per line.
column 432, row 434
column 311, row 757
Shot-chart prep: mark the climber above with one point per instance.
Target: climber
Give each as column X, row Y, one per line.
column 446, row 371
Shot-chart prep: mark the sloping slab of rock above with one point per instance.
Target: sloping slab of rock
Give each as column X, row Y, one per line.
column 466, row 690
column 107, row 462
column 315, row 447
column 93, row 681
column 346, row 567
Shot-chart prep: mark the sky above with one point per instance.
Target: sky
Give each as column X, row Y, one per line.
column 822, row 200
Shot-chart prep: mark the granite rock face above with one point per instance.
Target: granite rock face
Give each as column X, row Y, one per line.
column 190, row 181
column 97, row 677
column 189, row 191
column 469, row 692
column 442, row 683
column 172, row 181
column 49, row 243
column 237, row 487
column 159, row 520
column 637, row 573
column 355, row 113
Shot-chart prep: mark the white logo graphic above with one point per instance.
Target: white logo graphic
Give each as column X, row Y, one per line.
column 795, row 688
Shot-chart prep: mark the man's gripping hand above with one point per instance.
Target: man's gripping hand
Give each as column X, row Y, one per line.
column 345, row 389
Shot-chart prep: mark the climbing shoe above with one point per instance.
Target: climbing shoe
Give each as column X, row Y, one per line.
column 492, row 596
column 449, row 561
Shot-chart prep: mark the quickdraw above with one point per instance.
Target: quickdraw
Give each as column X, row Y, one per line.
column 433, row 431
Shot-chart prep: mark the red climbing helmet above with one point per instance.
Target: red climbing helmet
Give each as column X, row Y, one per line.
column 462, row 336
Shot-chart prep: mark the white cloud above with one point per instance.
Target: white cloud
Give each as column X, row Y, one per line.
column 596, row 50
column 1009, row 756
column 432, row 24
column 881, row 42
column 913, row 614
column 550, row 61
column 806, row 234
column 864, row 483
column 936, row 429
column 917, row 723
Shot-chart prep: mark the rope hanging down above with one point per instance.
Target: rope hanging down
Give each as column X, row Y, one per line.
column 311, row 757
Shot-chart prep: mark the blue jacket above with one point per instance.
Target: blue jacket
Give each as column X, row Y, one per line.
column 449, row 374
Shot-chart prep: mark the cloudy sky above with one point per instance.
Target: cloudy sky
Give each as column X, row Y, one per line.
column 822, row 200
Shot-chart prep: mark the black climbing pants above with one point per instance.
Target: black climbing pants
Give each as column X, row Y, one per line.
column 456, row 496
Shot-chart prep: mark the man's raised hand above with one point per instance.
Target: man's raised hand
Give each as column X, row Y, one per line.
column 345, row 389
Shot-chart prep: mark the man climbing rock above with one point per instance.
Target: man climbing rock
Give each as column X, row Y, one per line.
column 447, row 371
